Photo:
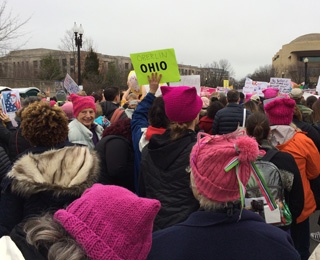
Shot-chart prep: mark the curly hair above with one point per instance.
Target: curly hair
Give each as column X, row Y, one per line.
column 43, row 125
column 45, row 233
column 121, row 127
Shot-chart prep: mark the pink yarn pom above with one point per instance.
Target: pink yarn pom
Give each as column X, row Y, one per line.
column 248, row 148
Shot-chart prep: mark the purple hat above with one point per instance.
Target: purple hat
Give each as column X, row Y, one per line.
column 182, row 104
column 110, row 222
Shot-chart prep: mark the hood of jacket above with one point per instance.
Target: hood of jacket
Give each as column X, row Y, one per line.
column 164, row 151
column 282, row 133
column 69, row 170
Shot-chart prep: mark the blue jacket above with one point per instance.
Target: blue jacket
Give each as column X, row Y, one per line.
column 139, row 121
column 212, row 235
column 228, row 119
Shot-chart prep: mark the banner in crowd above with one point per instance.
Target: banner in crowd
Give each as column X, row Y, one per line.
column 283, row 84
column 10, row 101
column 207, row 91
column 70, row 85
column 189, row 80
column 161, row 61
column 254, row 87
column 225, row 83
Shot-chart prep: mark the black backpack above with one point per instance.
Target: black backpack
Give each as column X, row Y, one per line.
column 277, row 181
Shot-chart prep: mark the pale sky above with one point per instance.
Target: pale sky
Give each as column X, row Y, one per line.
column 247, row 33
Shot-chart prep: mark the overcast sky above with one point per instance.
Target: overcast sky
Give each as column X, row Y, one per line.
column 247, row 33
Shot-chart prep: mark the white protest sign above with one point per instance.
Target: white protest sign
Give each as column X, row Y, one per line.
column 190, row 81
column 318, row 86
column 283, row 84
column 254, row 87
column 70, row 85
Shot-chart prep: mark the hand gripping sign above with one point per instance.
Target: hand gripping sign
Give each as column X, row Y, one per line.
column 161, row 61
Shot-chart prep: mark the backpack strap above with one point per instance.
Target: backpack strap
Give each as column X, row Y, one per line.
column 116, row 115
column 269, row 155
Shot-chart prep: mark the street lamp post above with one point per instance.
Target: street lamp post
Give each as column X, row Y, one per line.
column 78, row 41
column 305, row 60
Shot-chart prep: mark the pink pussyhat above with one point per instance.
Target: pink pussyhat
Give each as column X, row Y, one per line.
column 270, row 92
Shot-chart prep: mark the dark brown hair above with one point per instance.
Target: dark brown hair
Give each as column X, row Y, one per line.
column 43, row 125
column 257, row 125
column 316, row 111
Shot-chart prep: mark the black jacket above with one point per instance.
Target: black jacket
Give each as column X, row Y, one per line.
column 46, row 181
column 116, row 161
column 228, row 119
column 164, row 177
column 108, row 109
column 5, row 163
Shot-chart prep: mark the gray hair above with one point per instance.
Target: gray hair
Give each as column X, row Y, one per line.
column 45, row 232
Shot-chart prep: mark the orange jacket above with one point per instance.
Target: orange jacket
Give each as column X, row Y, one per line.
column 307, row 159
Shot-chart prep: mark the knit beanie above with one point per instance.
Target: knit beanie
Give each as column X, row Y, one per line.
column 270, row 92
column 82, row 102
column 110, row 222
column 296, row 93
column 67, row 107
column 182, row 104
column 280, row 111
column 61, row 96
column 248, row 96
column 210, row 158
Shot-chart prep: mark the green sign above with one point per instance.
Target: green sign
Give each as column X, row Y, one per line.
column 162, row 61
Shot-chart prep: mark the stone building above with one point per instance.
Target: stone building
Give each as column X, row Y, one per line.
column 22, row 68
column 292, row 60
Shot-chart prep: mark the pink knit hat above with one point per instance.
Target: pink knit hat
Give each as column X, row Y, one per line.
column 270, row 92
column 67, row 107
column 209, row 161
column 182, row 104
column 280, row 111
column 110, row 222
column 82, row 102
column 248, row 96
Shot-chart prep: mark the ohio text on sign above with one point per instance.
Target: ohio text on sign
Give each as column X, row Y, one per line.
column 161, row 61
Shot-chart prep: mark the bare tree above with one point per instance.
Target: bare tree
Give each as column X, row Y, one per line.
column 264, row 73
column 213, row 75
column 10, row 29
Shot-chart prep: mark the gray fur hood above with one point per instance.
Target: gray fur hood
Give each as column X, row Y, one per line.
column 69, row 170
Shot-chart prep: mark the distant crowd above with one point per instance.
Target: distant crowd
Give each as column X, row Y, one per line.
column 132, row 175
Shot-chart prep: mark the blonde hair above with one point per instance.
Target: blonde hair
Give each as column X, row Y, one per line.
column 45, row 233
column 205, row 203
column 179, row 129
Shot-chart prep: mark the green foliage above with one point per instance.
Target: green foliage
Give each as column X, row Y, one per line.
column 91, row 65
column 114, row 76
column 50, row 69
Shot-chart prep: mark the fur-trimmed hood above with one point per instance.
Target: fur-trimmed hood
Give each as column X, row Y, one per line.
column 69, row 170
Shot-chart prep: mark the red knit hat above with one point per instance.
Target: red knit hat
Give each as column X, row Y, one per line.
column 280, row 111
column 209, row 158
column 110, row 222
column 82, row 102
column 182, row 104
column 270, row 92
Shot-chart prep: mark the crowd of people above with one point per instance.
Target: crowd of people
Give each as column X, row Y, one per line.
column 105, row 176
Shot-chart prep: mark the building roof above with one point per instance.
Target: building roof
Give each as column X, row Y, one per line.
column 307, row 38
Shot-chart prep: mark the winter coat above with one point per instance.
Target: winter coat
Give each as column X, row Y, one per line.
column 306, row 155
column 164, row 177
column 80, row 134
column 116, row 161
column 5, row 164
column 310, row 131
column 139, row 124
column 108, row 109
column 228, row 119
column 212, row 235
column 45, row 180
